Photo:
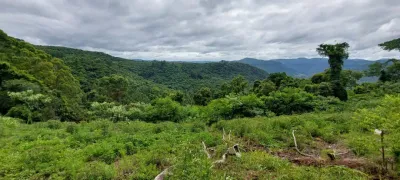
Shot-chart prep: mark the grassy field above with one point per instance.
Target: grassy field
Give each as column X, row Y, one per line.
column 137, row 150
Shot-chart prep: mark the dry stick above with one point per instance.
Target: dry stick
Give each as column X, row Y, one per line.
column 205, row 150
column 338, row 154
column 161, row 175
column 221, row 160
column 297, row 149
column 223, row 134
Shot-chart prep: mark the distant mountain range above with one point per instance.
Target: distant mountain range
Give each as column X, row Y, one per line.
column 303, row 67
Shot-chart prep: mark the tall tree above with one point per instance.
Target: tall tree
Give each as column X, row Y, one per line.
column 239, row 84
column 390, row 70
column 391, row 45
column 114, row 87
column 203, row 96
column 336, row 53
column 263, row 88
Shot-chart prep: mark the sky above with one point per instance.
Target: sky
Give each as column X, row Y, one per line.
column 205, row 29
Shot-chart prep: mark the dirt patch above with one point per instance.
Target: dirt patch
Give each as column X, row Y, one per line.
column 321, row 152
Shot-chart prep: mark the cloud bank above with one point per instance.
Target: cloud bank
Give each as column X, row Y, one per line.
column 205, row 29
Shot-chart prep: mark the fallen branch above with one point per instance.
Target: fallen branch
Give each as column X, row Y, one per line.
column 205, row 150
column 161, row 175
column 338, row 154
column 223, row 134
column 221, row 160
column 297, row 149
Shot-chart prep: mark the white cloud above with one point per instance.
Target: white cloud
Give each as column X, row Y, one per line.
column 205, row 29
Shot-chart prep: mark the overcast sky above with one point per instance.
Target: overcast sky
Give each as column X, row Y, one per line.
column 205, row 29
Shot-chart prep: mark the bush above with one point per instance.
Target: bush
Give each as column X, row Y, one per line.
column 290, row 101
column 21, row 112
column 165, row 109
column 96, row 170
column 322, row 89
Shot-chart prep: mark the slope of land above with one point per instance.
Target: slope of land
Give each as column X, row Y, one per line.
column 176, row 75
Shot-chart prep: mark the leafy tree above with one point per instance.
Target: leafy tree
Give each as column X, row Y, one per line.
column 392, row 72
column 391, row 45
column 375, row 69
column 114, row 87
column 33, row 102
column 177, row 96
column 278, row 78
column 319, row 78
column 289, row 101
column 26, row 62
column 336, row 53
column 388, row 72
column 322, row 89
column 263, row 88
column 239, row 84
column 250, row 106
column 165, row 109
column 202, row 96
column 348, row 78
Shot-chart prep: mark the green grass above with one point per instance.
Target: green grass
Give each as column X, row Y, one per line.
column 138, row 150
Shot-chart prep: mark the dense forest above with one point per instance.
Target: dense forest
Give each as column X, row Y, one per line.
column 74, row 114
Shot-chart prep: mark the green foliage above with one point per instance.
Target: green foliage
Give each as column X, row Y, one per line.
column 319, row 78
column 384, row 117
column 388, row 71
column 132, row 150
column 114, row 87
column 238, row 84
column 336, row 53
column 375, row 69
column 165, row 109
column 289, row 101
column 391, row 45
column 278, row 78
column 31, row 105
column 178, row 96
column 187, row 77
column 234, row 107
column 203, row 96
column 322, row 89
column 263, row 88
column 365, row 88
column 28, row 68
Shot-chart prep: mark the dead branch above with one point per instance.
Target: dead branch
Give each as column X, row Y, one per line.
column 222, row 160
column 234, row 150
column 161, row 175
column 297, row 149
column 223, row 134
column 343, row 153
column 205, row 150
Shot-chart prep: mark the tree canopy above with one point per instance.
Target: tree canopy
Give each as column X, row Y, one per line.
column 336, row 53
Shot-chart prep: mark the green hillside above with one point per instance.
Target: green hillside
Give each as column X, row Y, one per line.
column 23, row 68
column 74, row 114
column 183, row 76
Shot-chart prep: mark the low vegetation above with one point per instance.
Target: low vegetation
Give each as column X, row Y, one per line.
column 112, row 118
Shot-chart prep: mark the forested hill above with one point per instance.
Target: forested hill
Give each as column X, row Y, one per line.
column 89, row 66
column 30, row 75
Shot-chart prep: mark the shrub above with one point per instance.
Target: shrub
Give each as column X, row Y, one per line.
column 290, row 101
column 165, row 109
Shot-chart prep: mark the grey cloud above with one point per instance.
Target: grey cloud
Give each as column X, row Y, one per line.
column 205, row 29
